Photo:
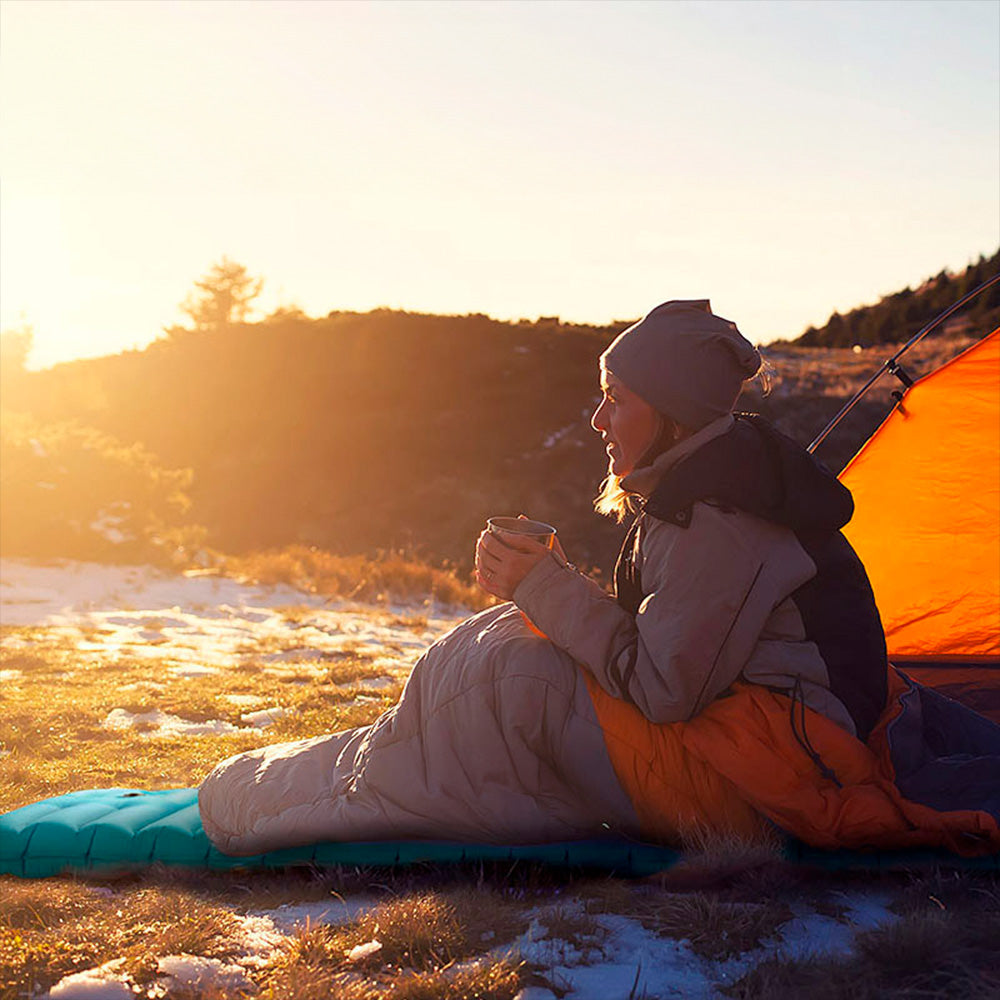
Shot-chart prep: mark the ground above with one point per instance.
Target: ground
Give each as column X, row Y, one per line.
column 126, row 676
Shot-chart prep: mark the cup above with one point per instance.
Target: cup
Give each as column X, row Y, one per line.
column 538, row 530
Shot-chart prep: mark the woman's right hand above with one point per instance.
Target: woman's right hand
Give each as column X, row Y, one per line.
column 501, row 564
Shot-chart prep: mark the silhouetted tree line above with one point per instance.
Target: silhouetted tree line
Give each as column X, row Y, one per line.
column 896, row 318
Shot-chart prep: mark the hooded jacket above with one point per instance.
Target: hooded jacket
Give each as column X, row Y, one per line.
column 735, row 568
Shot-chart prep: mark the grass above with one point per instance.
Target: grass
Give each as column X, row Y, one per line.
column 51, row 929
column 716, row 928
column 442, row 931
column 386, row 577
column 412, row 946
column 932, row 955
column 51, row 718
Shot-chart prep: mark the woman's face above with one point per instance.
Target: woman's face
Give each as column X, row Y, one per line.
column 628, row 425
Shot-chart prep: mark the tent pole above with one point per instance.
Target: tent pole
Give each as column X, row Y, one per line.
column 891, row 364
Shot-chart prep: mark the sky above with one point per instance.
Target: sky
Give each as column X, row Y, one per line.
column 586, row 160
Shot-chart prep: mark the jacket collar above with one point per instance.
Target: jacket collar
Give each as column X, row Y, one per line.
column 646, row 478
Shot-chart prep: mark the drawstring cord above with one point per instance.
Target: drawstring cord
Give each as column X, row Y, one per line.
column 803, row 740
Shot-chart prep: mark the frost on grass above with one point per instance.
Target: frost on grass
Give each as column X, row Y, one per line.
column 264, row 717
column 195, row 972
column 195, row 624
column 105, row 982
column 617, row 956
column 188, row 974
column 157, row 723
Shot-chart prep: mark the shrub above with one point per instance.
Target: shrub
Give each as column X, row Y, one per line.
column 70, row 491
column 387, row 576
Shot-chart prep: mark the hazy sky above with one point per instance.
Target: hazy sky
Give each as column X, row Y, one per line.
column 586, row 160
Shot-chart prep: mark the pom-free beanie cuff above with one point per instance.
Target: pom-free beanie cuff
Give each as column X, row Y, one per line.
column 684, row 361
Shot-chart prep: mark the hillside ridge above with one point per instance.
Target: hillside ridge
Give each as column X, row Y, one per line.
column 898, row 316
column 356, row 433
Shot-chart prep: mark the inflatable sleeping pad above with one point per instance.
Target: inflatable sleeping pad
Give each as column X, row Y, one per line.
column 111, row 829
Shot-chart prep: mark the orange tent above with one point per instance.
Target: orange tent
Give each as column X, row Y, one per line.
column 927, row 526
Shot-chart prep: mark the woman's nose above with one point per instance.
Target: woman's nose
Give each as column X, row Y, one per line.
column 597, row 420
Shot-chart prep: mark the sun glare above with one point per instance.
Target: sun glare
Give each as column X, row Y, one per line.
column 35, row 262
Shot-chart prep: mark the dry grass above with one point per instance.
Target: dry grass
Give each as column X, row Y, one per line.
column 717, row 917
column 49, row 929
column 500, row 980
column 51, row 718
column 715, row 928
column 388, row 576
column 928, row 955
column 419, row 945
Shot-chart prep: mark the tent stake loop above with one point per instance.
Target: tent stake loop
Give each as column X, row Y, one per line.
column 900, row 372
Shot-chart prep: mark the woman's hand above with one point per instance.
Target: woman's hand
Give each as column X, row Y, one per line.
column 501, row 564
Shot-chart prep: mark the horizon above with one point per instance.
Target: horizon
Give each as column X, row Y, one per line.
column 585, row 160
column 164, row 334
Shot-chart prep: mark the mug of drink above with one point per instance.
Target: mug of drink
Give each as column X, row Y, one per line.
column 538, row 530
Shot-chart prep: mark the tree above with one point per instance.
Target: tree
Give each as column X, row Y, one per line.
column 223, row 296
column 15, row 346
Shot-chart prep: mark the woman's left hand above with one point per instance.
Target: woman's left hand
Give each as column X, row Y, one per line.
column 501, row 564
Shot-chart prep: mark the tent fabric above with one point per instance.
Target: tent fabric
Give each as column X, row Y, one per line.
column 976, row 685
column 926, row 525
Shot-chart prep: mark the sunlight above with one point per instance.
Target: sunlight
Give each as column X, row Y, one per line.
column 36, row 281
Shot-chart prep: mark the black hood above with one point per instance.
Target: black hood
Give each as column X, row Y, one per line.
column 757, row 469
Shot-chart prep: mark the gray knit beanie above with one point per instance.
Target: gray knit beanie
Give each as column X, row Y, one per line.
column 684, row 361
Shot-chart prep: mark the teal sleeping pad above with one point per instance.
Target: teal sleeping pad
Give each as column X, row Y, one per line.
column 113, row 829
column 102, row 830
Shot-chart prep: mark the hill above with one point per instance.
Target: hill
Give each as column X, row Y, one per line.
column 897, row 317
column 354, row 433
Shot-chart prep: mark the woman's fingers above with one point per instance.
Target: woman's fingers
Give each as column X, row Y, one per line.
column 487, row 563
column 502, row 563
column 519, row 543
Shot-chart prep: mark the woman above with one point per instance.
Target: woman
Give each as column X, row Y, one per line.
column 735, row 567
column 737, row 677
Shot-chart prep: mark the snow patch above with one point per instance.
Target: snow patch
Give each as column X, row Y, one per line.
column 193, row 670
column 627, row 959
column 264, row 717
column 867, row 912
column 165, row 724
column 375, row 683
column 196, row 972
column 108, row 521
column 259, row 939
column 361, row 951
column 243, row 700
column 289, row 917
column 809, row 933
column 102, row 983
column 211, row 621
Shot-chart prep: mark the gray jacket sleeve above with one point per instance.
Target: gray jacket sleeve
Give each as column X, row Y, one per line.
column 710, row 590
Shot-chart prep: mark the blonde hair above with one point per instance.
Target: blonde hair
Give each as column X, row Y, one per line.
column 613, row 500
